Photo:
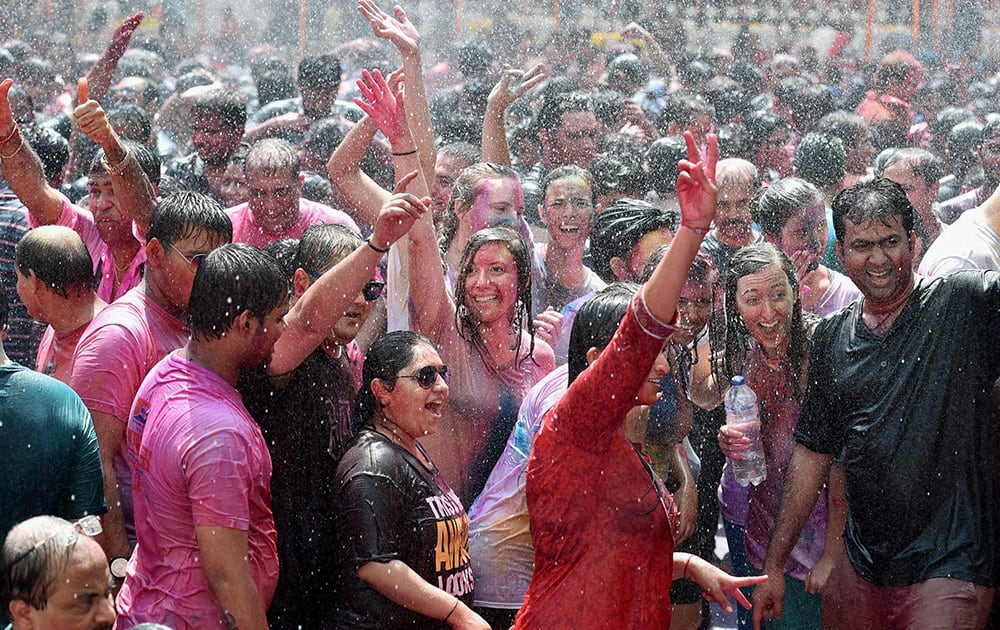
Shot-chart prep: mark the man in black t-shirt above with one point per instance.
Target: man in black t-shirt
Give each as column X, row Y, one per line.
column 899, row 388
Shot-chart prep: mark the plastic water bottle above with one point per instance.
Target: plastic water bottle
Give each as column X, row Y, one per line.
column 741, row 413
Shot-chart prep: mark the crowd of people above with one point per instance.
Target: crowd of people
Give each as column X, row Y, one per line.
column 425, row 336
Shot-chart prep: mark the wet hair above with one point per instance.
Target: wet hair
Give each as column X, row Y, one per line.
column 386, row 358
column 274, row 86
column 847, row 126
column 284, row 251
column 58, row 257
column 465, row 191
column 323, row 138
column 681, row 108
column 596, row 323
column 736, row 172
column 620, row 174
column 50, row 147
column 323, row 246
column 619, row 228
column 820, row 159
column 272, row 156
column 750, row 260
column 474, row 59
column 464, row 151
column 555, row 106
column 35, row 553
column 781, row 200
column 467, row 323
column 727, row 99
column 627, row 70
column 315, row 187
column 320, row 71
column 148, row 161
column 661, row 160
column 923, row 164
column 35, row 70
column 234, row 279
column 947, row 118
column 879, row 199
column 225, row 104
column 990, row 130
column 186, row 213
column 570, row 171
column 894, row 67
column 133, row 122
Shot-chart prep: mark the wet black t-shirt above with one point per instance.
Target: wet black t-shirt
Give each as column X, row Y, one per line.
column 390, row 507
column 912, row 413
column 307, row 420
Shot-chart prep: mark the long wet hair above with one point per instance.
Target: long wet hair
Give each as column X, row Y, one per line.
column 746, row 261
column 466, row 322
column 465, row 191
column 386, row 358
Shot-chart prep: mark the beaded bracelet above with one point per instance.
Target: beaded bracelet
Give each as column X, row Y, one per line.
column 116, row 169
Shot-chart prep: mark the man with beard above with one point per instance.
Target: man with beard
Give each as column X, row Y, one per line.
column 54, row 577
column 217, row 121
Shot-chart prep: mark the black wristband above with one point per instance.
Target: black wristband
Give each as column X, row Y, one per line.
column 404, row 153
column 378, row 249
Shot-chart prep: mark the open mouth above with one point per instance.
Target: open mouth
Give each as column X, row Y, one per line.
column 483, row 300
column 435, row 408
column 569, row 229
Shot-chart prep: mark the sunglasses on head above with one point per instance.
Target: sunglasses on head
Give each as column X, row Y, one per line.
column 373, row 290
column 427, row 376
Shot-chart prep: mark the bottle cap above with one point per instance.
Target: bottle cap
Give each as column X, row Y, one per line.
column 738, row 381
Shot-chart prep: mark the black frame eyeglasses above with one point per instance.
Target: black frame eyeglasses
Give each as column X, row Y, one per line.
column 372, row 290
column 426, row 376
column 194, row 261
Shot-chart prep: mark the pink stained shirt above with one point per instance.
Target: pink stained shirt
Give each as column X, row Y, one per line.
column 114, row 354
column 55, row 352
column 247, row 230
column 198, row 459
column 82, row 222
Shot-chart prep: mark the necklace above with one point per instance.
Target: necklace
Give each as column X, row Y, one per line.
column 391, row 433
column 878, row 327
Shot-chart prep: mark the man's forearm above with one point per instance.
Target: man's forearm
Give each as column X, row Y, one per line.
column 806, row 473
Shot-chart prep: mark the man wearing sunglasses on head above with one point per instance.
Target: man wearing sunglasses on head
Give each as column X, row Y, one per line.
column 304, row 398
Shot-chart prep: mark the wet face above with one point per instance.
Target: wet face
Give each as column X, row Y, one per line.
column 764, row 300
column 213, row 139
column 694, row 307
column 175, row 276
column 113, row 227
column 646, row 247
column 878, row 258
column 265, row 335
column 234, row 189
column 568, row 212
column 499, row 202
column 773, row 153
column 79, row 598
column 274, row 197
column 416, row 410
column 921, row 194
column 576, row 139
column 859, row 156
column 491, row 284
column 318, row 102
column 446, row 170
column 648, row 392
column 805, row 231
column 732, row 219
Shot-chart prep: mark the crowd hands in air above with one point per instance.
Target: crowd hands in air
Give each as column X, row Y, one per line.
column 447, row 344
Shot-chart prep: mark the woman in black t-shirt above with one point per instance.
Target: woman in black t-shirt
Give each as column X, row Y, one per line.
column 403, row 533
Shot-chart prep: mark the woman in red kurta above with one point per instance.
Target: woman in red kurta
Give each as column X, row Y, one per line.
column 602, row 523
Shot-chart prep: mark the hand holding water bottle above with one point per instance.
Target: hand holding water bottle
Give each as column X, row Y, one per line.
column 739, row 438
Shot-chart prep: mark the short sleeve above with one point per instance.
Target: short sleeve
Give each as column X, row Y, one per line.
column 369, row 519
column 85, row 494
column 818, row 428
column 219, row 478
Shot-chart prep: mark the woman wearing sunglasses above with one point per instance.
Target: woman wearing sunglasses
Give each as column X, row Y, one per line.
column 403, row 533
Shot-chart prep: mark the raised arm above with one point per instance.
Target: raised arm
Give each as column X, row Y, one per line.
column 513, row 85
column 696, row 193
column 99, row 75
column 131, row 185
column 400, row 31
column 324, row 302
column 22, row 167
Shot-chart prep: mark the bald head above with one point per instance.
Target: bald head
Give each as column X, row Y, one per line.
column 57, row 256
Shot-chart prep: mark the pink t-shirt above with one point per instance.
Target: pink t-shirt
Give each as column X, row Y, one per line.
column 198, row 459
column 247, row 230
column 55, row 352
column 82, row 222
column 114, row 354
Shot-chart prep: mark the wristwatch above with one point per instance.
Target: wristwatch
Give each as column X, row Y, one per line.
column 118, row 568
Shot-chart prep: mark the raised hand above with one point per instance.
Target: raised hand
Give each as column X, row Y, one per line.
column 696, row 191
column 398, row 213
column 398, row 30
column 383, row 104
column 514, row 84
column 90, row 116
column 123, row 34
column 6, row 115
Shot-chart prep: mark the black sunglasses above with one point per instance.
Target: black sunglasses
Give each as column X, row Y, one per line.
column 373, row 290
column 427, row 375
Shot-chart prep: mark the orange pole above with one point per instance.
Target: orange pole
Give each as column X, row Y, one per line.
column 869, row 30
column 202, row 35
column 555, row 14
column 916, row 25
column 611, row 15
column 302, row 29
column 458, row 20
